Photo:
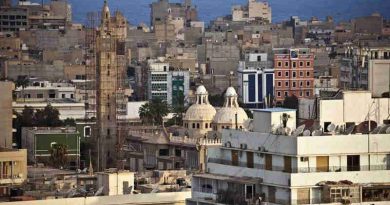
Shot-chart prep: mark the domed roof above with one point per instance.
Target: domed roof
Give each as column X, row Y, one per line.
column 201, row 90
column 230, row 92
column 200, row 112
column 227, row 115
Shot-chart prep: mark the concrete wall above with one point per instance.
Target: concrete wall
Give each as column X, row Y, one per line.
column 379, row 77
column 174, row 198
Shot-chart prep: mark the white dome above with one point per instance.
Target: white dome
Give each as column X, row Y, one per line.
column 200, row 112
column 201, row 90
column 227, row 115
column 230, row 92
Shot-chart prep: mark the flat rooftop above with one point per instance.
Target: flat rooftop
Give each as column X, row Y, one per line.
column 275, row 109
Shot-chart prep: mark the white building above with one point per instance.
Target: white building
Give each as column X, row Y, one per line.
column 165, row 83
column 255, row 80
column 379, row 76
column 116, row 182
column 285, row 167
column 66, row 108
column 43, row 90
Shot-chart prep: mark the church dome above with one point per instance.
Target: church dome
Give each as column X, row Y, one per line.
column 227, row 114
column 201, row 110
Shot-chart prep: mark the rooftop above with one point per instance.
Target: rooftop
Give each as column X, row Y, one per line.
column 275, row 109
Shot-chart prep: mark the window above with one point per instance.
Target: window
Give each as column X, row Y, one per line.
column 307, row 83
column 279, row 64
column 279, row 84
column 287, row 164
column 268, row 162
column 108, row 132
column 163, row 152
column 286, row 64
column 294, row 74
column 177, row 152
column 52, row 95
column 108, row 73
column 63, row 95
column 308, row 63
column 294, row 64
column 234, row 157
column 285, row 93
column 279, row 94
column 71, row 96
column 300, row 93
column 279, row 74
column 286, row 83
column 249, row 159
column 193, row 125
column 294, row 84
column 40, row 95
column 300, row 83
column 197, row 125
column 307, row 93
column 353, row 163
column 87, row 131
column 300, row 63
column 286, row 73
column 258, row 58
column 308, row 73
column 300, row 74
column 206, row 125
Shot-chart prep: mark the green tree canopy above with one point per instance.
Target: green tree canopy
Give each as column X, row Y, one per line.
column 154, row 111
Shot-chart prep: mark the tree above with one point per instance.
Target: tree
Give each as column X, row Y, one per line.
column 178, row 109
column 69, row 122
column 154, row 111
column 58, row 155
column 48, row 117
column 22, row 81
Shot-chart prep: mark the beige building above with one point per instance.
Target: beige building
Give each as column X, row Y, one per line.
column 252, row 11
column 13, row 163
column 6, row 113
column 379, row 76
column 116, row 182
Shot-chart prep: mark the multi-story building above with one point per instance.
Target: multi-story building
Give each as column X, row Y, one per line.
column 166, row 83
column 379, row 76
column 255, row 80
column 13, row 162
column 294, row 73
column 272, row 164
column 43, row 90
column 252, row 11
column 13, row 19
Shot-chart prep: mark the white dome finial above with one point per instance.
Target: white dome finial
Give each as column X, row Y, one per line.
column 201, row 90
column 230, row 92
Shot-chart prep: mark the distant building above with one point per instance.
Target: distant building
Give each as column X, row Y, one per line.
column 379, row 76
column 166, row 83
column 44, row 90
column 254, row 10
column 13, row 19
column 294, row 73
column 255, row 80
column 39, row 141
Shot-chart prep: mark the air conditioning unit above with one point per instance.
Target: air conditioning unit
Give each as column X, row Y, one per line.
column 304, row 159
column 261, row 149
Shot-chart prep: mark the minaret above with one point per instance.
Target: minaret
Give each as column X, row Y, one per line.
column 105, row 16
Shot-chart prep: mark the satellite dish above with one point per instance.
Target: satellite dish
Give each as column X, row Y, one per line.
column 299, row 130
column 383, row 129
column 349, row 130
column 306, row 133
column 99, row 191
column 331, row 127
column 288, row 131
column 280, row 130
column 388, row 130
column 376, row 130
column 316, row 133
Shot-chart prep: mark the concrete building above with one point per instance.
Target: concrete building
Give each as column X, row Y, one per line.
column 40, row 140
column 161, row 10
column 116, row 182
column 293, row 73
column 278, row 166
column 254, row 10
column 13, row 19
column 41, row 91
column 255, row 80
column 6, row 89
column 167, row 83
column 13, row 162
column 379, row 76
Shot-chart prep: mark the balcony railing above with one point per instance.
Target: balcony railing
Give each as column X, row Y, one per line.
column 301, row 169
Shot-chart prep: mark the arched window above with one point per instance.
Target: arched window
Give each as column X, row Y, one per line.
column 193, row 125
column 206, row 125
column 197, row 125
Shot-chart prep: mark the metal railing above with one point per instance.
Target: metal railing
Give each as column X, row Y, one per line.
column 300, row 169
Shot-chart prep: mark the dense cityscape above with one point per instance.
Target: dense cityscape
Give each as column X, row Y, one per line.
column 179, row 111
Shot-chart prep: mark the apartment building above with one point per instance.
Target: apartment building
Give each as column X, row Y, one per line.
column 280, row 164
column 294, row 73
column 255, row 80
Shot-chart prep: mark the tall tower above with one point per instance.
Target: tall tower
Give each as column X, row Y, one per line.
column 109, row 58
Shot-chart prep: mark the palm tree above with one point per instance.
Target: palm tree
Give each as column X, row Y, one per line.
column 154, row 111
column 58, row 155
column 145, row 113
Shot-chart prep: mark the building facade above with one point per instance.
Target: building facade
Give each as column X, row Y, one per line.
column 255, row 80
column 294, row 73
